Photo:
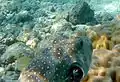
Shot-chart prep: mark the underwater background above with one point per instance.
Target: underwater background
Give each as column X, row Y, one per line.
column 59, row 40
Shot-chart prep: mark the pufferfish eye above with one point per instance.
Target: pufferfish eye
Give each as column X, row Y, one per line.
column 75, row 74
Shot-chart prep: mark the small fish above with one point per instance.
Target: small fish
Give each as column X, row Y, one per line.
column 60, row 60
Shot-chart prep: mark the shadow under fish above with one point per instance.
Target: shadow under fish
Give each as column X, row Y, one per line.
column 60, row 60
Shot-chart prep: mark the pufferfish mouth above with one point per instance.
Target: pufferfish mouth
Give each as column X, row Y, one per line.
column 75, row 73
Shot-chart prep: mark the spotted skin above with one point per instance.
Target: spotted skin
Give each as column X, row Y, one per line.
column 63, row 60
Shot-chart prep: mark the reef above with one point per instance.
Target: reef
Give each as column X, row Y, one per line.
column 106, row 55
column 79, row 14
column 53, row 40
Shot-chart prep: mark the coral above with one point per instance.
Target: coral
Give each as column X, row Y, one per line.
column 105, row 66
column 101, row 71
column 111, row 44
column 32, row 43
column 111, row 72
column 115, row 32
column 102, row 79
column 95, row 79
column 115, row 38
column 104, row 56
column 118, row 74
column 98, row 75
column 114, row 73
column 23, row 37
column 115, row 61
column 92, row 35
column 102, row 43
column 99, row 41
column 104, row 17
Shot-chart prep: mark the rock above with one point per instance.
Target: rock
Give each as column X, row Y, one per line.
column 104, row 17
column 116, row 48
column 2, row 48
column 23, row 36
column 37, row 33
column 32, row 43
column 12, row 29
column 111, row 72
column 61, row 15
column 46, row 29
column 110, row 44
column 61, row 25
column 9, row 39
column 2, row 17
column 40, row 13
column 114, row 73
column 2, row 71
column 81, row 27
column 11, row 76
column 10, row 67
column 115, row 32
column 95, row 62
column 79, row 14
column 2, row 35
column 67, row 33
column 2, row 80
column 43, row 22
column 15, row 6
column 115, row 37
column 9, row 33
column 16, row 51
column 92, row 35
column 23, row 16
column 28, row 27
column 52, row 9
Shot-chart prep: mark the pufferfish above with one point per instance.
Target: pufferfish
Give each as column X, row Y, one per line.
column 60, row 59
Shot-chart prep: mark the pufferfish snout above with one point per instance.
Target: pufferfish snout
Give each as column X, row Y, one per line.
column 60, row 60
